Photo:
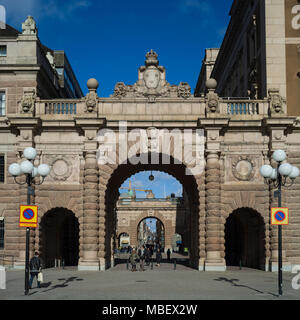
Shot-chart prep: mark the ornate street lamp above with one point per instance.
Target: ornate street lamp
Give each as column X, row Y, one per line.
column 31, row 173
column 278, row 177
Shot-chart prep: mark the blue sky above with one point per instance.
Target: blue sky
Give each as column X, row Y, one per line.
column 162, row 185
column 108, row 39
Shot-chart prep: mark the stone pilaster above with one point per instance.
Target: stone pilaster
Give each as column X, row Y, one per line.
column 214, row 240
column 90, row 214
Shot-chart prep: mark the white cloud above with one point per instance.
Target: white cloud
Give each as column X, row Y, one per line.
column 39, row 9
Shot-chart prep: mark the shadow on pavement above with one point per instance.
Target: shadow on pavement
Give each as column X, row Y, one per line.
column 232, row 281
column 64, row 284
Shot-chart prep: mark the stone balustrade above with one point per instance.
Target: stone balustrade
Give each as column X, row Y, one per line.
column 193, row 107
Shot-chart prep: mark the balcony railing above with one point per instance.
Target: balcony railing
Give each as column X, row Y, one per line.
column 232, row 107
column 60, row 107
column 236, row 108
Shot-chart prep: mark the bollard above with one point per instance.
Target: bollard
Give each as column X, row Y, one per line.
column 174, row 264
column 2, row 278
column 151, row 264
column 240, row 264
column 127, row 265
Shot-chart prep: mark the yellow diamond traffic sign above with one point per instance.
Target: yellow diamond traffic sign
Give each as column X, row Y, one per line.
column 28, row 216
column 279, row 216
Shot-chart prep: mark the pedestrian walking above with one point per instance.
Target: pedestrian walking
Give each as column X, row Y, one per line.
column 169, row 254
column 35, row 268
column 141, row 254
column 158, row 257
column 147, row 256
column 133, row 258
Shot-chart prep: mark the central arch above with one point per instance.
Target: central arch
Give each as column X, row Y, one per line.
column 115, row 175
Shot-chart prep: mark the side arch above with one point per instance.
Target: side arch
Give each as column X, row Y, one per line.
column 245, row 239
column 59, row 234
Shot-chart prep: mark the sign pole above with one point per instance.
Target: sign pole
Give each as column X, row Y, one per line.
column 28, row 180
column 279, row 238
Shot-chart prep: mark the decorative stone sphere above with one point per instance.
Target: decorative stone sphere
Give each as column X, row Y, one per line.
column 211, row 84
column 92, row 84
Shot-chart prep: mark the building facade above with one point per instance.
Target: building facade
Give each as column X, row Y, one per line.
column 170, row 216
column 93, row 144
column 259, row 53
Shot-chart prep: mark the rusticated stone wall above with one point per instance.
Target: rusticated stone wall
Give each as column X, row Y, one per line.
column 214, row 239
column 90, row 209
column 9, row 195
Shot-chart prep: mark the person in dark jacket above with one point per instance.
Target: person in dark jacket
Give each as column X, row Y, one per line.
column 169, row 254
column 158, row 257
column 35, row 267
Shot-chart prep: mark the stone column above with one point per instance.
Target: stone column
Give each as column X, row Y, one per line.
column 90, row 214
column 214, row 241
column 201, row 223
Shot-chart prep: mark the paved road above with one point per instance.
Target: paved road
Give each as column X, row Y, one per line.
column 113, row 284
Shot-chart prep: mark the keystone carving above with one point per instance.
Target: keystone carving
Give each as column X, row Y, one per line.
column 276, row 101
column 212, row 102
column 28, row 101
column 151, row 83
column 91, row 101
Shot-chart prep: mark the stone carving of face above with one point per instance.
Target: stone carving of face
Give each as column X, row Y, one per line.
column 151, row 78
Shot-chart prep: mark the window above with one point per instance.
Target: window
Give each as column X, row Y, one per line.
column 1, row 169
column 3, row 51
column 69, row 82
column 2, row 103
column 1, row 233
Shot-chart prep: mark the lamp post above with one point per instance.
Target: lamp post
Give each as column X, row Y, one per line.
column 31, row 173
column 278, row 178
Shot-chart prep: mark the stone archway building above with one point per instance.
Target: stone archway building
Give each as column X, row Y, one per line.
column 172, row 215
column 237, row 138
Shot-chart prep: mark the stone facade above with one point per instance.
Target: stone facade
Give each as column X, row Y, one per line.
column 237, row 136
column 258, row 55
column 171, row 214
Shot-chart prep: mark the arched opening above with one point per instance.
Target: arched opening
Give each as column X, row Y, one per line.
column 177, row 244
column 59, row 238
column 190, row 202
column 124, row 241
column 151, row 233
column 245, row 239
